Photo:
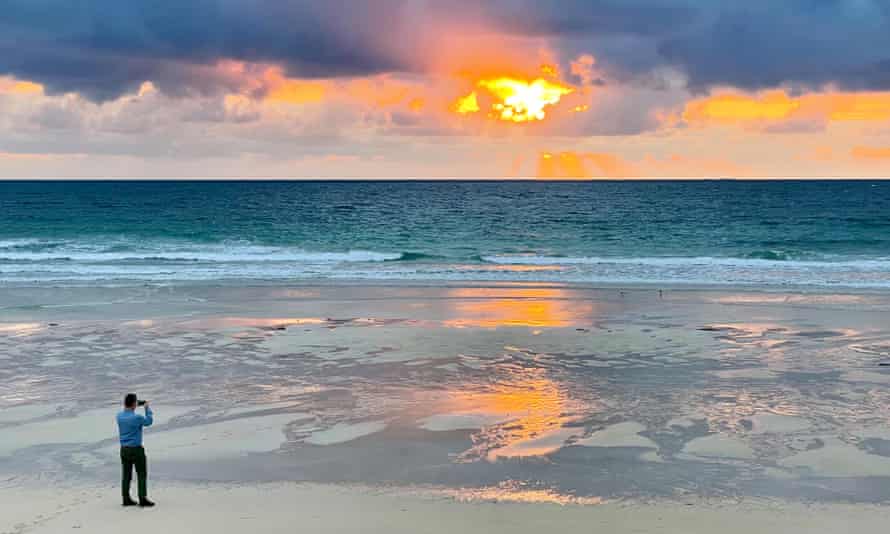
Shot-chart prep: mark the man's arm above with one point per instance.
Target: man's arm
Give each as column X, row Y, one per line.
column 148, row 419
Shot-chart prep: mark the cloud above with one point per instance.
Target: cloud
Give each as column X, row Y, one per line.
column 105, row 48
column 776, row 110
column 256, row 81
column 36, row 156
column 581, row 165
column 12, row 86
column 585, row 17
column 762, row 44
column 867, row 153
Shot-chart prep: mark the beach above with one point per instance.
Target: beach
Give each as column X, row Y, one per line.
column 326, row 509
column 485, row 401
column 412, row 266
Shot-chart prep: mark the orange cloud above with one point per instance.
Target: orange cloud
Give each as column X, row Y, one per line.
column 584, row 68
column 565, row 165
column 382, row 92
column 579, row 165
column 871, row 153
column 492, row 84
column 856, row 106
column 269, row 83
column 298, row 92
column 15, row 86
column 771, row 107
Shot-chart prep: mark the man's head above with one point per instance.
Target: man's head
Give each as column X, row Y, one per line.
column 130, row 400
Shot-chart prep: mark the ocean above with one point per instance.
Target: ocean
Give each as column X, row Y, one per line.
column 697, row 233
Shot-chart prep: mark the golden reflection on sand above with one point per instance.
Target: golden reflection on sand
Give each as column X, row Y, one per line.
column 523, row 417
column 529, row 307
column 517, row 492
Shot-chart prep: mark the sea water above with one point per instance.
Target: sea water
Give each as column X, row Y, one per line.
column 717, row 232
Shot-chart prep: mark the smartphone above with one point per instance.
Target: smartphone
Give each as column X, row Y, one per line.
column 140, row 403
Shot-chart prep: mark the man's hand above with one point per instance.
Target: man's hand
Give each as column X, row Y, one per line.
column 145, row 405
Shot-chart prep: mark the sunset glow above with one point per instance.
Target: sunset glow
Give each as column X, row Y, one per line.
column 515, row 100
column 475, row 91
column 467, row 104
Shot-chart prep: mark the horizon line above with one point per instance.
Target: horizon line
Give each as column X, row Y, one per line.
column 449, row 179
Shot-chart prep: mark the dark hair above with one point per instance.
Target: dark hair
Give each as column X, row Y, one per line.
column 130, row 400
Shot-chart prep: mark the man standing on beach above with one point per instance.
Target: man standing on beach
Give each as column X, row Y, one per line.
column 130, row 424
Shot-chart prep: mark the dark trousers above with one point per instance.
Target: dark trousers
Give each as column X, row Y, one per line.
column 134, row 457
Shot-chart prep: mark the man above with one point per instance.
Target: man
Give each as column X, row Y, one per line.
column 130, row 424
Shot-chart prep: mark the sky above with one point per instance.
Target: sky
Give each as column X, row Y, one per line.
column 541, row 89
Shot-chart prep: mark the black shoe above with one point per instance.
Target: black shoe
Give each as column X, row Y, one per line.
column 145, row 503
column 129, row 502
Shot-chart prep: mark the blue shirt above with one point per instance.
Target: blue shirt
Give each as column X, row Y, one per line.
column 130, row 423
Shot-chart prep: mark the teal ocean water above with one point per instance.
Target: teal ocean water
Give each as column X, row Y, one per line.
column 741, row 233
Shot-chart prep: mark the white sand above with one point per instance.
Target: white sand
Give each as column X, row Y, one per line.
column 18, row 414
column 215, row 441
column 768, row 423
column 684, row 422
column 289, row 508
column 251, row 408
column 624, row 435
column 462, row 421
column 719, row 446
column 839, row 459
column 620, row 435
column 546, row 441
column 86, row 427
column 222, row 440
column 758, row 373
column 343, row 433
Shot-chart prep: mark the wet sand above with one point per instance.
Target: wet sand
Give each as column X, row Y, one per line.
column 536, row 395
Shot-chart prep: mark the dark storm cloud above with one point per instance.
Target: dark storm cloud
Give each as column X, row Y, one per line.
column 105, row 47
column 102, row 48
column 808, row 43
column 590, row 17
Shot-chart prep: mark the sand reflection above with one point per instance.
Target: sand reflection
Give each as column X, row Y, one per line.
column 525, row 416
column 529, row 307
column 20, row 329
column 772, row 299
column 512, row 268
column 518, row 492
